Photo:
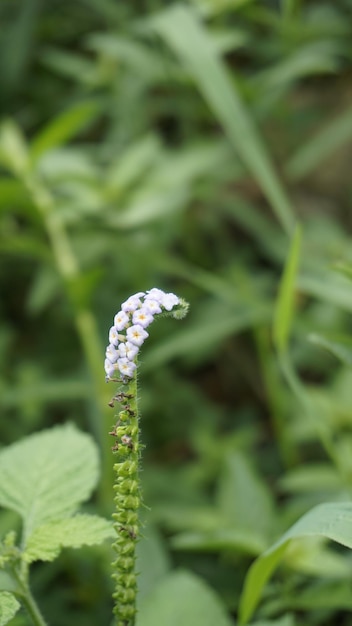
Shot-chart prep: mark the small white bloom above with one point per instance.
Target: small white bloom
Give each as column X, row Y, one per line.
column 131, row 350
column 136, row 334
column 121, row 320
column 132, row 303
column 114, row 336
column 111, row 353
column 152, row 306
column 143, row 317
column 169, row 301
column 155, row 294
column 126, row 367
column 110, row 368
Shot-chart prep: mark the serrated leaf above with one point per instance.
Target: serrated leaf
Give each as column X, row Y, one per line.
column 47, row 541
column 285, row 302
column 182, row 598
column 331, row 520
column 338, row 345
column 47, row 475
column 8, row 607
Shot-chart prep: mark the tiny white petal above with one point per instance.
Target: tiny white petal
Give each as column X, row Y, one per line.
column 143, row 317
column 131, row 350
column 110, row 368
column 169, row 301
column 136, row 334
column 121, row 320
column 152, row 306
column 111, row 353
column 155, row 294
column 131, row 304
column 114, row 335
column 126, row 367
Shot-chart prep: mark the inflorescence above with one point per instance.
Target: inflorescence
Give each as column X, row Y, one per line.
column 128, row 333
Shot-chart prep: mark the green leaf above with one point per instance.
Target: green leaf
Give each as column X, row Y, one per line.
column 185, row 34
column 8, row 607
column 331, row 520
column 13, row 148
column 338, row 345
column 331, row 137
column 64, row 127
column 182, row 598
column 47, row 541
column 47, row 475
column 153, row 562
column 223, row 539
column 244, row 498
column 285, row 302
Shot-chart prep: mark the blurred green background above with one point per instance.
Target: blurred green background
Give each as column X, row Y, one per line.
column 177, row 145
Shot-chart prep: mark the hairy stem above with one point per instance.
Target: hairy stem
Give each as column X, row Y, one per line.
column 127, row 501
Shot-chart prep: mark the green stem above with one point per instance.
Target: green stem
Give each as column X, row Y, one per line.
column 127, row 501
column 32, row 609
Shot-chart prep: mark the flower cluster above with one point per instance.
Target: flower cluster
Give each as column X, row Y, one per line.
column 129, row 330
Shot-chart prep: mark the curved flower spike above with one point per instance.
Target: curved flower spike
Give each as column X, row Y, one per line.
column 136, row 313
column 126, row 337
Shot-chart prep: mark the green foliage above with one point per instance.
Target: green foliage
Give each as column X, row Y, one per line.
column 330, row 520
column 8, row 607
column 179, row 146
column 199, row 603
column 48, row 475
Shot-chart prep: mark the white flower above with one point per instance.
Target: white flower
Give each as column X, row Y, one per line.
column 169, row 301
column 121, row 320
column 126, row 367
column 128, row 350
column 133, row 302
column 136, row 334
column 114, row 336
column 155, row 294
column 152, row 306
column 111, row 353
column 110, row 368
column 143, row 317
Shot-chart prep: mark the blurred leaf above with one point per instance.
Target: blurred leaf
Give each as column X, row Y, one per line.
column 312, row 477
column 76, row 67
column 309, row 556
column 129, row 166
column 13, row 148
column 47, row 475
column 327, row 286
column 338, row 345
column 239, row 540
column 202, row 334
column 312, row 59
column 187, row 37
column 343, row 268
column 243, row 497
column 139, row 57
column 17, row 46
column 326, row 141
column 285, row 302
column 331, row 520
column 47, row 540
column 64, row 127
column 153, row 562
column 182, row 598
column 8, row 607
